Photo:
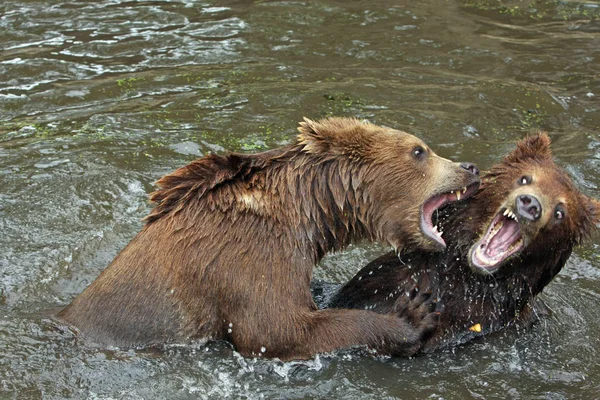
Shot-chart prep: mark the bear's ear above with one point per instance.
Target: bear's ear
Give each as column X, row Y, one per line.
column 313, row 137
column 335, row 136
column 532, row 147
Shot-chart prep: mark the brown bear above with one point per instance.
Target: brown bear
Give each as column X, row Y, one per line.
column 228, row 251
column 505, row 244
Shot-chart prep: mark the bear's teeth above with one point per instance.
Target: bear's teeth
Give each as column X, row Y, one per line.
column 509, row 214
column 495, row 230
column 457, row 195
column 464, row 190
column 515, row 245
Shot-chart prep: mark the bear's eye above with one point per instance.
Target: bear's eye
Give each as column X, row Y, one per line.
column 559, row 212
column 525, row 180
column 418, row 153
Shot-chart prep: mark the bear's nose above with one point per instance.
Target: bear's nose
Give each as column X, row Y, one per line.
column 472, row 168
column 529, row 207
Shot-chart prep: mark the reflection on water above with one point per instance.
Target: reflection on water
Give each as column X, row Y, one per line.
column 98, row 100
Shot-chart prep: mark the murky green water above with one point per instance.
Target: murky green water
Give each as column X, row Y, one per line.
column 99, row 99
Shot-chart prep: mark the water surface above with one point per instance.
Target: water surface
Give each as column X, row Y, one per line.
column 99, row 99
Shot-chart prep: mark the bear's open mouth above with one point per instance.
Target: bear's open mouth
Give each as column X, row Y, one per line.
column 502, row 239
column 440, row 200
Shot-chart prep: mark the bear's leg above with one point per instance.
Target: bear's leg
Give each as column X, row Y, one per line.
column 387, row 334
column 304, row 333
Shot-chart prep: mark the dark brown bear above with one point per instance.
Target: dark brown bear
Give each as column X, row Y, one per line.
column 505, row 244
column 228, row 251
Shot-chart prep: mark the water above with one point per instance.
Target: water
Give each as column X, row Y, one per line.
column 99, row 99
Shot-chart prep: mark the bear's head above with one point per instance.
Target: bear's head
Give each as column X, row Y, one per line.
column 391, row 179
column 536, row 208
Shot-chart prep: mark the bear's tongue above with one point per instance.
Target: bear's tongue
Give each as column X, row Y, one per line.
column 502, row 236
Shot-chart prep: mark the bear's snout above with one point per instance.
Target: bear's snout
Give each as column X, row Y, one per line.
column 529, row 207
column 472, row 168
